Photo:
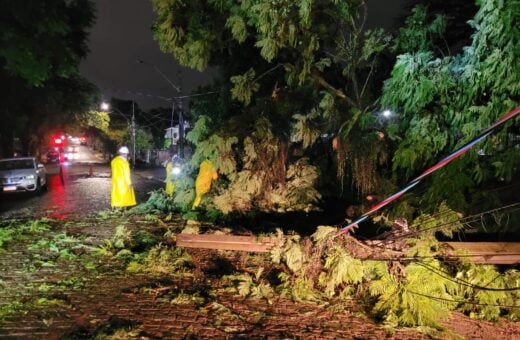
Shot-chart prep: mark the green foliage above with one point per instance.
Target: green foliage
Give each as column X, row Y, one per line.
column 299, row 289
column 45, row 39
column 340, row 269
column 11, row 230
column 6, row 235
column 239, row 195
column 187, row 299
column 263, row 182
column 444, row 102
column 445, row 221
column 61, row 245
column 10, row 308
column 158, row 202
column 304, row 130
column 185, row 193
column 323, row 233
column 119, row 244
column 244, row 86
column 41, row 47
column 482, row 303
column 201, row 130
column 419, row 32
column 219, row 150
column 420, row 292
column 238, row 28
column 416, row 299
column 160, row 260
column 288, row 250
column 254, row 287
column 95, row 119
column 301, row 193
column 512, row 279
column 143, row 138
column 292, row 36
column 122, row 237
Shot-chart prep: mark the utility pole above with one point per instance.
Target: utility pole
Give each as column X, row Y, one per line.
column 171, row 123
column 133, row 134
column 181, row 132
column 181, row 118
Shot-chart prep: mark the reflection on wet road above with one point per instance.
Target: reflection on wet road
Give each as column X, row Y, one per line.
column 79, row 189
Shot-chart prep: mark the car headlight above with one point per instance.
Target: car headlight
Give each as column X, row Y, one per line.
column 29, row 177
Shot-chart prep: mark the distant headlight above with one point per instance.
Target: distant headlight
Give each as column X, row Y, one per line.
column 29, row 177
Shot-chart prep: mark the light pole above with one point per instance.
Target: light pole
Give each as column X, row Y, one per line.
column 131, row 124
column 181, row 118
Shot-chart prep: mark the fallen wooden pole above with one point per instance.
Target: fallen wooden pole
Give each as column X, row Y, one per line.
column 488, row 252
column 478, row 252
column 226, row 242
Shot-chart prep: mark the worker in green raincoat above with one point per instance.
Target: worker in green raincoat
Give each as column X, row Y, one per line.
column 122, row 189
column 207, row 174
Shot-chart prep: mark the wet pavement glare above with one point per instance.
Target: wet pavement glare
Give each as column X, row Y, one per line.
column 78, row 190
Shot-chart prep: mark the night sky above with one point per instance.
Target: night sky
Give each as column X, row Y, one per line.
column 122, row 35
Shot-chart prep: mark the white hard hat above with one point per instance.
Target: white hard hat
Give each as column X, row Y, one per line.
column 123, row 150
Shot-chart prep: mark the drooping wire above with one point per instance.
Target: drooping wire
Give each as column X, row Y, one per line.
column 447, row 276
column 466, row 219
column 454, row 155
column 438, row 298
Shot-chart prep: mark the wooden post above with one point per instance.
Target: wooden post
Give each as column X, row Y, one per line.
column 226, row 242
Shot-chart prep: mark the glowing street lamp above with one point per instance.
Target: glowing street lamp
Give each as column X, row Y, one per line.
column 131, row 124
column 387, row 113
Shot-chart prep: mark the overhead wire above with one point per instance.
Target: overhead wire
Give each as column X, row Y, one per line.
column 454, row 155
column 463, row 220
column 463, row 301
column 468, row 218
column 167, row 99
column 447, row 276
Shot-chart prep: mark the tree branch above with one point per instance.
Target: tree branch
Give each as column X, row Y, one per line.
column 337, row 92
column 368, row 77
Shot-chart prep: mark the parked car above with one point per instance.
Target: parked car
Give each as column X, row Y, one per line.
column 53, row 156
column 22, row 174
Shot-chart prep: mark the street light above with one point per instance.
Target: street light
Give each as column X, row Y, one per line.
column 387, row 113
column 181, row 118
column 105, row 107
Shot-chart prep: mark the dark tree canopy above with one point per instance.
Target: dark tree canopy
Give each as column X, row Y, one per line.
column 41, row 46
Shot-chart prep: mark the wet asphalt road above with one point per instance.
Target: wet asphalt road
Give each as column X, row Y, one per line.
column 82, row 188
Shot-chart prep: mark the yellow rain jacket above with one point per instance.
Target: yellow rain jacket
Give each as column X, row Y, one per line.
column 203, row 182
column 122, row 191
column 170, row 182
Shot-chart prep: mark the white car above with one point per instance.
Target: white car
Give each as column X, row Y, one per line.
column 22, row 174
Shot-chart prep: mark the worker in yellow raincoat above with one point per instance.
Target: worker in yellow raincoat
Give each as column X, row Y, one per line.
column 170, row 183
column 122, row 189
column 207, row 174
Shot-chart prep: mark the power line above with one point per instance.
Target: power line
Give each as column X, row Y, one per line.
column 447, row 276
column 462, row 301
column 419, row 257
column 446, row 160
column 464, row 220
column 149, row 95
